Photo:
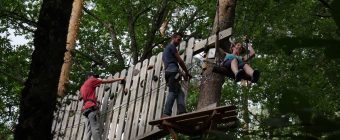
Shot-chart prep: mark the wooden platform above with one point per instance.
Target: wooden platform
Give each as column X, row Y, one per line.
column 197, row 122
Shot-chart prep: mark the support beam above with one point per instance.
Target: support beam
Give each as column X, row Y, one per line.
column 202, row 45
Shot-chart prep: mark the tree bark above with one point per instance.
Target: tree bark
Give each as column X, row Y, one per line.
column 211, row 83
column 71, row 40
column 132, row 34
column 38, row 98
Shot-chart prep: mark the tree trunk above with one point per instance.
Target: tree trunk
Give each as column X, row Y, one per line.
column 211, row 83
column 71, row 40
column 156, row 24
column 132, row 34
column 38, row 98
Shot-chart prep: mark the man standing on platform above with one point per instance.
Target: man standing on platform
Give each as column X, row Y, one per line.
column 90, row 109
column 171, row 60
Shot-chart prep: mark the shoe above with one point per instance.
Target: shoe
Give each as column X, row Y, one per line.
column 239, row 75
column 164, row 116
column 256, row 76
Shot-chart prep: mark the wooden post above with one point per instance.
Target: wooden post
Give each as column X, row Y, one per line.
column 71, row 39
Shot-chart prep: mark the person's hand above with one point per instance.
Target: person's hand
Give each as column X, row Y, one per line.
column 246, row 38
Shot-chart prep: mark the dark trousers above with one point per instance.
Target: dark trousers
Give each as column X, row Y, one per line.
column 175, row 93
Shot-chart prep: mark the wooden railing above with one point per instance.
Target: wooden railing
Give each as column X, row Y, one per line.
column 125, row 110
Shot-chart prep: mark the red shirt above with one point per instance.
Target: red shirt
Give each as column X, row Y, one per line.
column 88, row 94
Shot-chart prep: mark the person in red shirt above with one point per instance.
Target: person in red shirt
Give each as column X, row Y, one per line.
column 90, row 108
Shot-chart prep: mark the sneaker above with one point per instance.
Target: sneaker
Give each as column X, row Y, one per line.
column 239, row 75
column 164, row 116
column 256, row 76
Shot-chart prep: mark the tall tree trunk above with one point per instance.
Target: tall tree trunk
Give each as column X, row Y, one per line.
column 38, row 98
column 211, row 83
column 71, row 40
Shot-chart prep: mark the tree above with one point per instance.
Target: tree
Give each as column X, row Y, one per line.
column 211, row 83
column 38, row 98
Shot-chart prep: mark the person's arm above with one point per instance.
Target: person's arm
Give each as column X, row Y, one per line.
column 251, row 53
column 112, row 80
column 182, row 64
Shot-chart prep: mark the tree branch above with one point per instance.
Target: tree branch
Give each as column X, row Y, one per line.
column 326, row 4
column 117, row 54
column 132, row 34
column 157, row 22
column 141, row 13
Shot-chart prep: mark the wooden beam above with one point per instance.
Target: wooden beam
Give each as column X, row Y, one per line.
column 201, row 46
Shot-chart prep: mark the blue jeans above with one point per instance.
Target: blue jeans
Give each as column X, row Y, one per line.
column 175, row 93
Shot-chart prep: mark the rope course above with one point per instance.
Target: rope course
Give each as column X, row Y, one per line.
column 126, row 116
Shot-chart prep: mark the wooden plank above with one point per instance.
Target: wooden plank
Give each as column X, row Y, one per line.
column 113, row 92
column 201, row 45
column 154, row 91
column 161, row 94
column 124, row 105
column 61, row 117
column 78, row 115
column 153, row 135
column 72, row 113
column 116, row 109
column 65, row 118
column 57, row 119
column 106, row 112
column 139, row 100
column 188, row 61
column 192, row 114
column 147, row 96
column 132, row 101
column 82, row 126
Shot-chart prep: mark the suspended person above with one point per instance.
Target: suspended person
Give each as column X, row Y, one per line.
column 90, row 109
column 172, row 61
column 237, row 63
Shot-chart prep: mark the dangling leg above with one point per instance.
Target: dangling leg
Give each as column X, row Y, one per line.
column 238, row 72
column 254, row 74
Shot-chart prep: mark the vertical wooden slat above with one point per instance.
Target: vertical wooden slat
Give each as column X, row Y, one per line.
column 104, row 108
column 65, row 118
column 61, row 117
column 161, row 93
column 139, row 100
column 188, row 61
column 77, row 120
column 56, row 119
column 116, row 109
column 109, row 112
column 124, row 105
column 154, row 91
column 132, row 101
column 147, row 96
column 72, row 113
column 82, row 126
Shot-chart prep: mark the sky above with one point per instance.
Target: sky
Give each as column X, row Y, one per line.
column 15, row 39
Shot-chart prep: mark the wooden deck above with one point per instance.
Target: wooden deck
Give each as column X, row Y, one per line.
column 197, row 122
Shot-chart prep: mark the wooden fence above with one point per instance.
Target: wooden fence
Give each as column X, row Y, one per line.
column 126, row 110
